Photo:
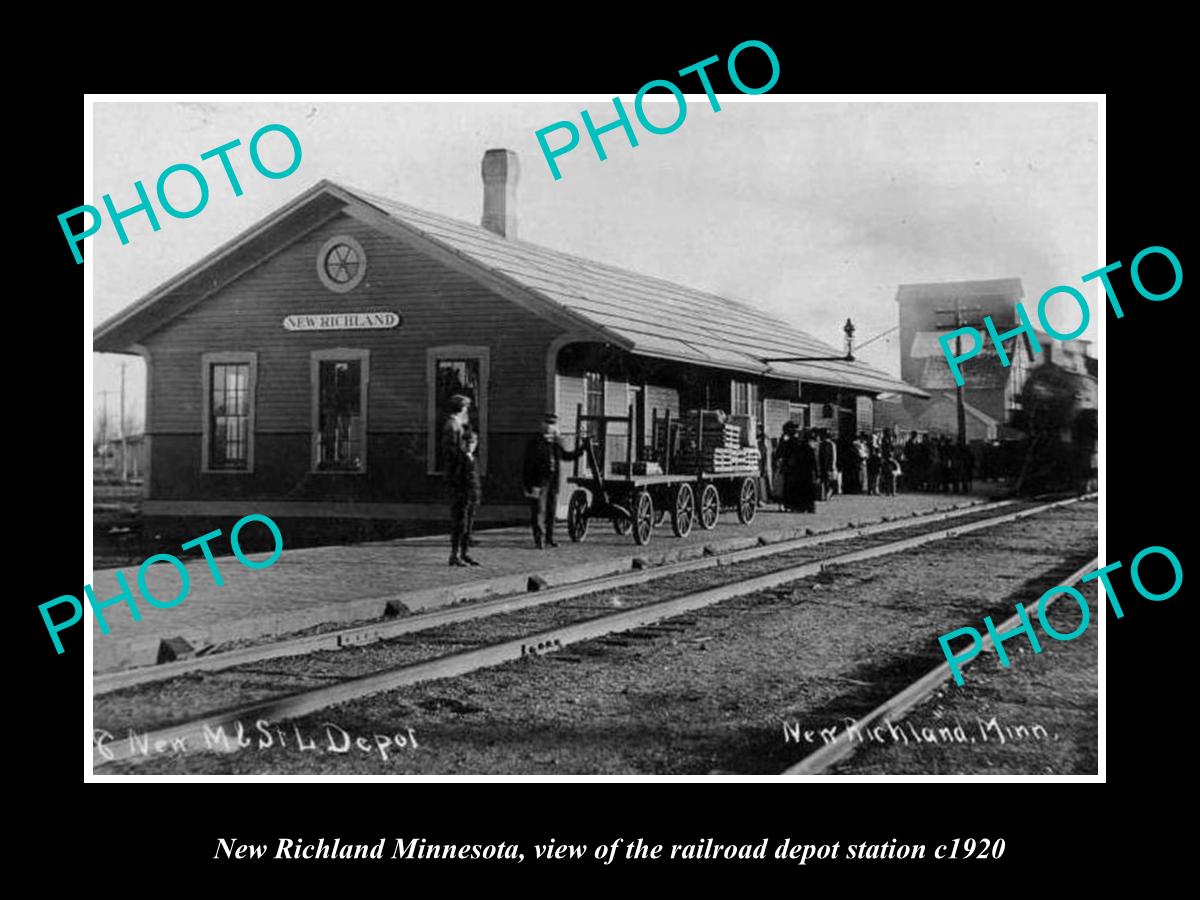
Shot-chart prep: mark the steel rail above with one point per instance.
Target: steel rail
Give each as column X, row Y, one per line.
column 199, row 734
column 382, row 630
column 896, row 708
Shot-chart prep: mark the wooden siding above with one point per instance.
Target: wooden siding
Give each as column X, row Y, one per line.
column 659, row 400
column 439, row 306
column 570, row 396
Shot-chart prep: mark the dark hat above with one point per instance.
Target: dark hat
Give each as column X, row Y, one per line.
column 790, row 426
column 550, row 418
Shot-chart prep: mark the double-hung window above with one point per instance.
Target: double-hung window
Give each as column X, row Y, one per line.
column 339, row 403
column 743, row 398
column 229, row 381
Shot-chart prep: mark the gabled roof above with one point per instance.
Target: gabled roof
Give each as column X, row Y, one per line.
column 972, row 411
column 642, row 314
column 124, row 329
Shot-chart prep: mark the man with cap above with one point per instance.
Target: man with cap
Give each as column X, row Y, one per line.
column 543, row 454
column 462, row 477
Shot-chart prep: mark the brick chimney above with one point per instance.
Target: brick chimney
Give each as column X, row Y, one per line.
column 500, row 173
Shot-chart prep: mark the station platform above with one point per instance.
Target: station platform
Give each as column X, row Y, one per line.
column 314, row 586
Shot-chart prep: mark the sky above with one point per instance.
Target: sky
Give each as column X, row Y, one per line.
column 812, row 211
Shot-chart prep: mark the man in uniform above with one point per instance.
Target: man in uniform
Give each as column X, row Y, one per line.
column 461, row 475
column 543, row 454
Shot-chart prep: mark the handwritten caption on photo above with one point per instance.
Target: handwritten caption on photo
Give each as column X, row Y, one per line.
column 185, row 585
column 266, row 735
column 990, row 731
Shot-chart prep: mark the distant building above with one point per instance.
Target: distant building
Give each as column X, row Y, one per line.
column 941, row 417
column 938, row 416
column 992, row 391
column 928, row 311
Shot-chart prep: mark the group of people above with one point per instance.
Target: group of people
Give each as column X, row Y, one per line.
column 805, row 467
column 939, row 463
column 544, row 453
column 810, row 466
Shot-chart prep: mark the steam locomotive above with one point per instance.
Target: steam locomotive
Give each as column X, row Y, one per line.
column 1059, row 418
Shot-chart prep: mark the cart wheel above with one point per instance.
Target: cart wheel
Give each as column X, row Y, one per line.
column 747, row 501
column 577, row 515
column 643, row 517
column 710, row 506
column 621, row 525
column 683, row 510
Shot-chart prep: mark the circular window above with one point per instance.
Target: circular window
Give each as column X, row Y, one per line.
column 341, row 264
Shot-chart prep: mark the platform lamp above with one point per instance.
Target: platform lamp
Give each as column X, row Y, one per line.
column 848, row 330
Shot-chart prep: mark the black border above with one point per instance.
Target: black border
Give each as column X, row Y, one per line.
column 1149, row 461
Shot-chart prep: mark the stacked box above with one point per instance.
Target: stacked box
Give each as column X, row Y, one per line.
column 722, row 451
column 747, row 429
column 715, row 434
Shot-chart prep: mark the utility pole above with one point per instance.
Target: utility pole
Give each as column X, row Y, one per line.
column 124, row 436
column 104, row 395
column 960, row 320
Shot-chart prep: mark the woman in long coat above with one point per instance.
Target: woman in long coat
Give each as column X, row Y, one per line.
column 848, row 462
column 779, row 461
column 798, row 462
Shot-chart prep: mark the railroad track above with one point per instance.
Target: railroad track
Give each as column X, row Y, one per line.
column 895, row 708
column 197, row 734
column 383, row 630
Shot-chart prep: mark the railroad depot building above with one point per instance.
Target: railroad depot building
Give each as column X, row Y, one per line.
column 302, row 369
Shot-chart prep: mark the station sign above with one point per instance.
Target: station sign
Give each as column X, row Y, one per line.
column 342, row 321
